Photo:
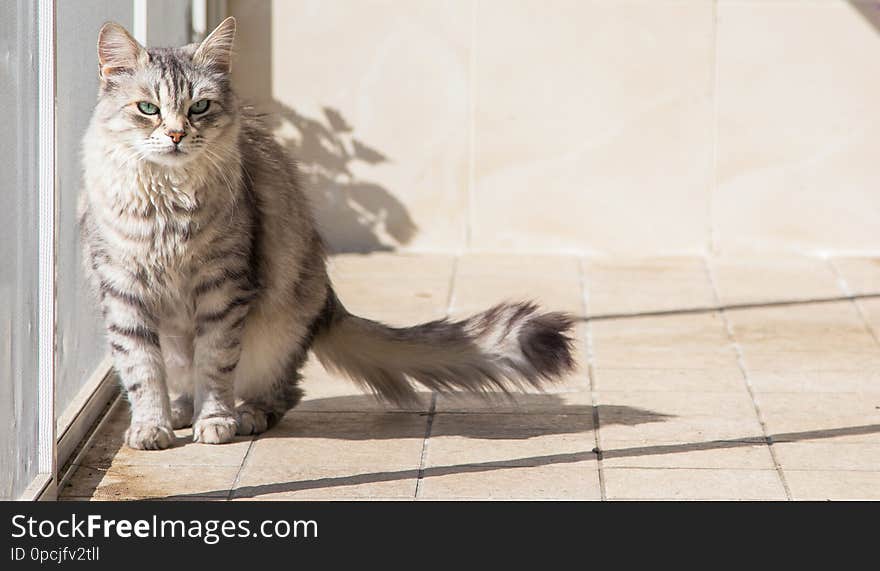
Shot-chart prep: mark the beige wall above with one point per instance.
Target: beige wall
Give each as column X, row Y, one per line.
column 605, row 126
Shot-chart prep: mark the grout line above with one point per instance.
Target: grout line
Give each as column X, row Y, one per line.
column 247, row 456
column 740, row 361
column 424, row 454
column 472, row 130
column 432, row 410
column 713, row 180
column 844, row 287
column 453, row 275
column 585, row 298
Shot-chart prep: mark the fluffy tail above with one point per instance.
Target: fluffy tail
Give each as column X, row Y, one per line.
column 508, row 346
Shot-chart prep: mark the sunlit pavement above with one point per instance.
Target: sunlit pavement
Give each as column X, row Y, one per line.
column 741, row 379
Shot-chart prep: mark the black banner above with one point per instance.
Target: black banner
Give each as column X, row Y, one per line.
column 287, row 534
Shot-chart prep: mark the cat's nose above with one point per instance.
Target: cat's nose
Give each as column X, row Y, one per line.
column 176, row 136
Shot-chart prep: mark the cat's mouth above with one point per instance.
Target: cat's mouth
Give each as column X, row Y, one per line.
column 173, row 155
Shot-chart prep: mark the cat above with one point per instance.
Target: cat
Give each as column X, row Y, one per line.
column 201, row 246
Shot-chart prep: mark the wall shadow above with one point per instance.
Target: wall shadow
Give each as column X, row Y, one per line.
column 354, row 214
column 870, row 11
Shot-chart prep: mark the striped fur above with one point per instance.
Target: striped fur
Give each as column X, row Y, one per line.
column 211, row 274
column 511, row 345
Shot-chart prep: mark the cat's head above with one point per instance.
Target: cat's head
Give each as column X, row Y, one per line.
column 167, row 105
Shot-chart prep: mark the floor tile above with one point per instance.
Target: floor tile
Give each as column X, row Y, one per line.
column 497, row 438
column 561, row 268
column 743, row 280
column 705, row 330
column 576, row 480
column 482, row 281
column 820, row 327
column 829, row 381
column 300, row 481
column 833, row 485
column 870, row 309
column 754, row 455
column 638, row 286
column 665, row 342
column 553, row 402
column 722, row 380
column 692, row 484
column 398, row 303
column 805, row 338
column 861, row 275
column 806, row 361
column 127, row 482
column 676, row 417
column 819, row 455
column 396, row 265
column 832, row 417
column 399, row 290
column 331, row 439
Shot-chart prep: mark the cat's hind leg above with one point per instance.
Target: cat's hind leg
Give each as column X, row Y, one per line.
column 181, row 411
column 275, row 345
column 257, row 415
column 264, row 400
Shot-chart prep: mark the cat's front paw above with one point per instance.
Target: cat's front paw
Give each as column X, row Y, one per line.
column 145, row 436
column 215, row 430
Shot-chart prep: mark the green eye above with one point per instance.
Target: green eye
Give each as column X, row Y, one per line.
column 147, row 108
column 199, row 106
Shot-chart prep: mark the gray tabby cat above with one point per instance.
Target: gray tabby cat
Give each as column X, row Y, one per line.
column 212, row 275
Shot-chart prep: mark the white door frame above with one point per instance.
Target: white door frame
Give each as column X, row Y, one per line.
column 43, row 486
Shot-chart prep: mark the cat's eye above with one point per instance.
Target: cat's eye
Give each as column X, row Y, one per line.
column 147, row 108
column 199, row 107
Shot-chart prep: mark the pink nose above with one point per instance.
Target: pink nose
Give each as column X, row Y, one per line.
column 176, row 136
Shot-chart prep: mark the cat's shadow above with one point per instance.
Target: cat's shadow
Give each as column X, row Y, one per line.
column 517, row 417
column 364, row 417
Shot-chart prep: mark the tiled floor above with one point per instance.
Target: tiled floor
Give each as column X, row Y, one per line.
column 747, row 379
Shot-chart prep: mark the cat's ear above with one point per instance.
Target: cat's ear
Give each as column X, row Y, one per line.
column 216, row 50
column 118, row 52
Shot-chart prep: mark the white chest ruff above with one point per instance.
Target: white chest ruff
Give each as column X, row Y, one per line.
column 149, row 221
